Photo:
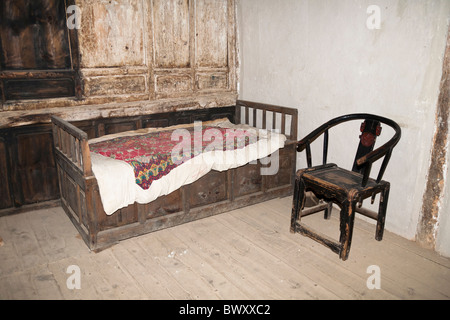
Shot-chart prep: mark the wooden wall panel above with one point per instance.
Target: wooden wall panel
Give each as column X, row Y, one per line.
column 38, row 88
column 173, row 84
column 191, row 47
column 112, row 33
column 38, row 53
column 95, row 86
column 34, row 35
column 212, row 81
column 137, row 50
column 171, row 33
column 211, row 31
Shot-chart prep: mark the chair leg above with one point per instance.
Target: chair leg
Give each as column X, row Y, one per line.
column 327, row 211
column 384, row 197
column 347, row 219
column 297, row 203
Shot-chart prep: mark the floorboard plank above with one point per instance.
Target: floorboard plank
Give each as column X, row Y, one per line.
column 213, row 253
column 134, row 260
column 188, row 279
column 243, row 254
column 321, row 269
column 262, row 263
column 176, row 277
column 212, row 280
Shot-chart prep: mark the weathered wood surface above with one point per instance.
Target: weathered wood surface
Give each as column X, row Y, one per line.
column 77, row 112
column 244, row 254
column 112, row 33
column 30, row 41
column 39, row 52
column 145, row 51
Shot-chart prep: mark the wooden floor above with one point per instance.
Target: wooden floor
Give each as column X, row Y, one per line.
column 243, row 254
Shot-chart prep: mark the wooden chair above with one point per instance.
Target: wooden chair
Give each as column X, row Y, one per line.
column 333, row 184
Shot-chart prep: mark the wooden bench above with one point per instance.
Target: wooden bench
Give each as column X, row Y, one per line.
column 214, row 193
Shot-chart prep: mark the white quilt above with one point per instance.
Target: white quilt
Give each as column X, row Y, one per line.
column 116, row 178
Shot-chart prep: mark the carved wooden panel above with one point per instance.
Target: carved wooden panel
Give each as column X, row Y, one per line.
column 94, row 86
column 155, row 123
column 38, row 89
column 113, row 37
column 212, row 81
column 110, row 128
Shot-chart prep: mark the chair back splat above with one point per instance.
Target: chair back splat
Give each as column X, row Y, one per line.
column 346, row 188
column 370, row 130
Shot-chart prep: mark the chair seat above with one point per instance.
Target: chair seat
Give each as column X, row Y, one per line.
column 339, row 181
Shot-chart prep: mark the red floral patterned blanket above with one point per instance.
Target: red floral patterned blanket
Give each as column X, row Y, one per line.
column 155, row 154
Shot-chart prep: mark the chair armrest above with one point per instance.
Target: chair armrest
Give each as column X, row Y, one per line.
column 380, row 151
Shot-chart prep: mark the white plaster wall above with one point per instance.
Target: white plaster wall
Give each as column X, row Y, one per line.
column 319, row 56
